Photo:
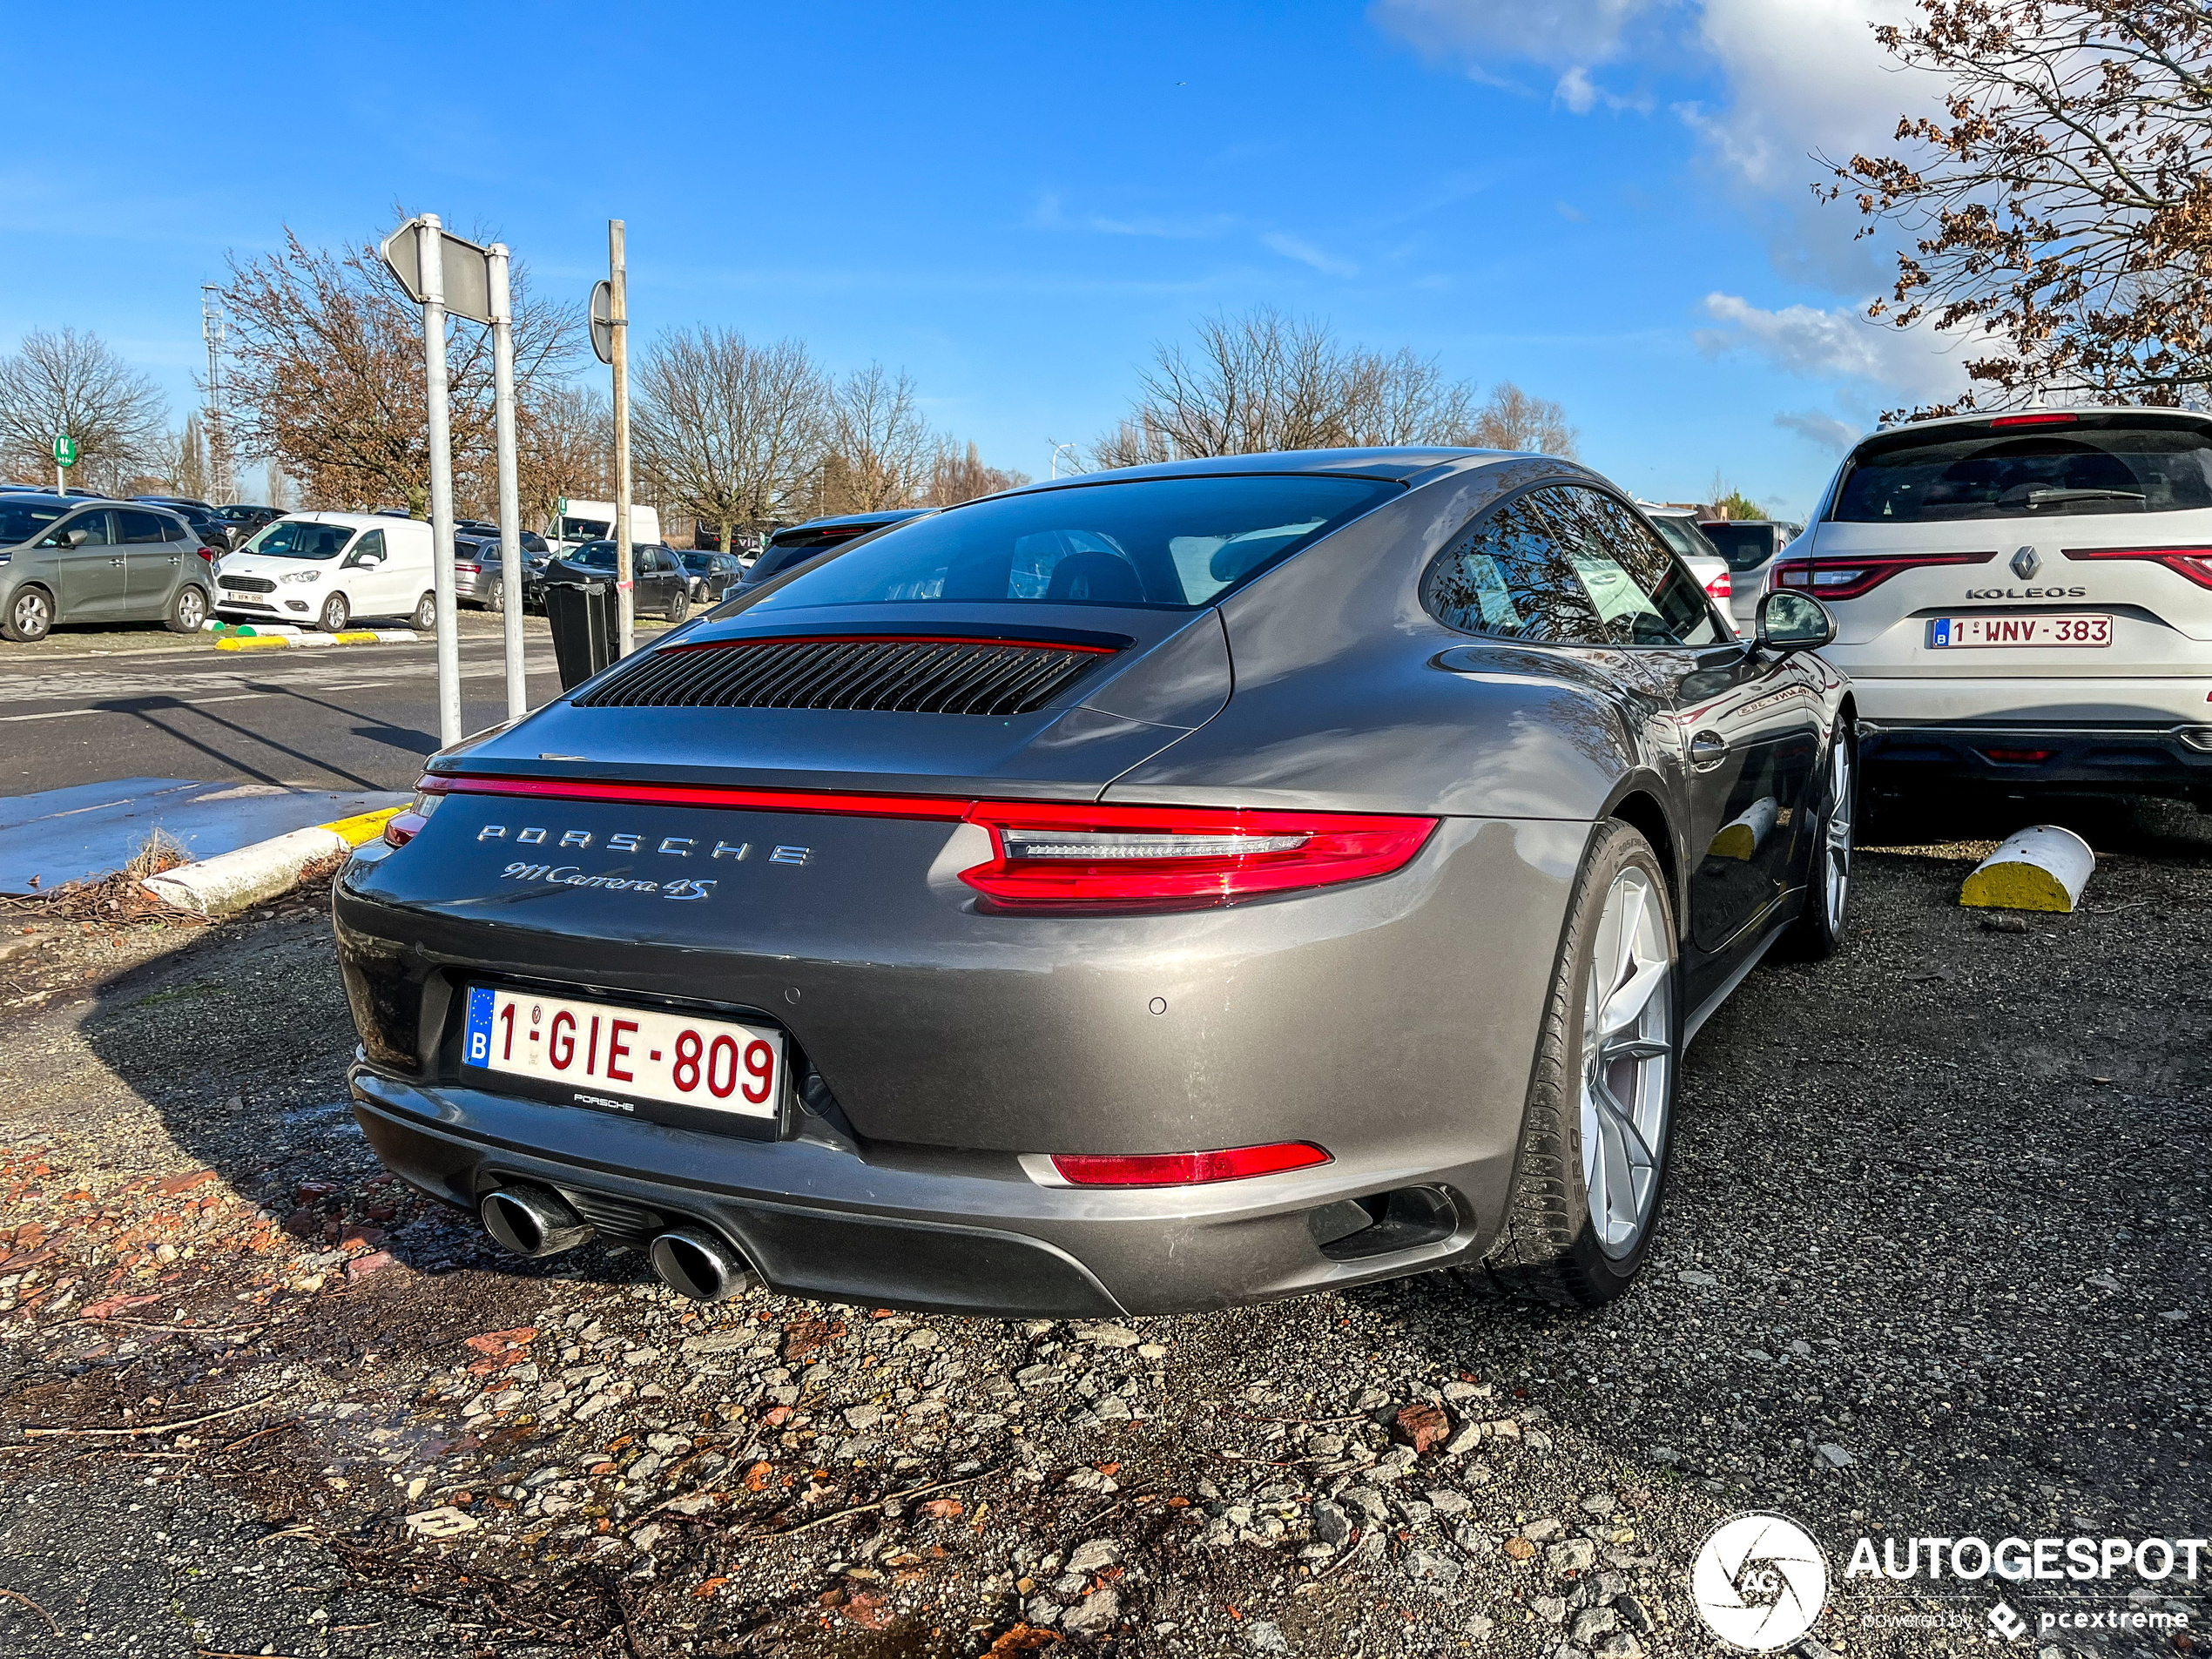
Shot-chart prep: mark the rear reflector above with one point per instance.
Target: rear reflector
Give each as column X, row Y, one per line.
column 2019, row 756
column 1720, row 586
column 2194, row 562
column 1188, row 1168
column 2036, row 420
column 1845, row 577
column 1070, row 858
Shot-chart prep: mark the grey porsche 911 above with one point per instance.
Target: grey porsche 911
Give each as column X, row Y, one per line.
column 1150, row 891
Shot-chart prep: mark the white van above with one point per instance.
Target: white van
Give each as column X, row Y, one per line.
column 594, row 521
column 323, row 569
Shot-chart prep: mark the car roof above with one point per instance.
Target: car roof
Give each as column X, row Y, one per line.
column 1985, row 417
column 1401, row 464
column 357, row 520
column 880, row 515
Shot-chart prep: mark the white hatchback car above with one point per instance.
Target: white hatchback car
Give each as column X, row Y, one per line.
column 2025, row 599
column 323, row 569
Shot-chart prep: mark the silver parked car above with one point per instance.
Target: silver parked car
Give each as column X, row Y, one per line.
column 64, row 560
column 1150, row 891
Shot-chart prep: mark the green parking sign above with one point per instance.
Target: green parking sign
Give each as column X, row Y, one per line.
column 65, row 450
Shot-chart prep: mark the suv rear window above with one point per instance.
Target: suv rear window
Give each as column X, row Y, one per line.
column 1746, row 547
column 2097, row 464
column 1172, row 544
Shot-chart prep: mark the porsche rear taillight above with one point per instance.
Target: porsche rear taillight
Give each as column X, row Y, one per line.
column 1188, row 1169
column 1845, row 577
column 2194, row 562
column 1084, row 858
column 405, row 824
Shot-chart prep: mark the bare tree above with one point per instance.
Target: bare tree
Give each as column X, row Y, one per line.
column 1263, row 381
column 565, row 444
column 1511, row 419
column 326, row 376
column 188, row 476
column 76, row 383
column 733, row 432
column 2061, row 207
column 955, row 476
column 878, row 448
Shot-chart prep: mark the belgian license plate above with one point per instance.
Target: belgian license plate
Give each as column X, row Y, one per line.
column 593, row 1050
column 1952, row 633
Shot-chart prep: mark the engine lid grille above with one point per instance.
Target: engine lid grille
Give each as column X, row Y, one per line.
column 879, row 674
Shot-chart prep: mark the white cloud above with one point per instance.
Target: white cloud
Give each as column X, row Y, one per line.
column 1818, row 428
column 1293, row 247
column 1560, row 34
column 1911, row 363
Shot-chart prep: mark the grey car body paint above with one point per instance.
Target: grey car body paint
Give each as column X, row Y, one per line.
column 1393, row 1020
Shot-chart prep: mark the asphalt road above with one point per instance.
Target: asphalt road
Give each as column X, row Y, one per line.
column 354, row 717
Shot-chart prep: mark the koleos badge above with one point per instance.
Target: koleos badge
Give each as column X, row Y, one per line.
column 1759, row 1581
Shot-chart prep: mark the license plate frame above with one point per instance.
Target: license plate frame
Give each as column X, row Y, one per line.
column 649, row 1050
column 2068, row 630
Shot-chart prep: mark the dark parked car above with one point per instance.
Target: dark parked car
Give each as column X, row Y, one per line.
column 206, row 523
column 706, row 538
column 712, row 575
column 663, row 587
column 477, row 564
column 1152, row 891
column 62, row 561
column 802, row 541
column 243, row 520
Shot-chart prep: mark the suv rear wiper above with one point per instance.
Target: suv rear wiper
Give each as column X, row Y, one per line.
column 2042, row 493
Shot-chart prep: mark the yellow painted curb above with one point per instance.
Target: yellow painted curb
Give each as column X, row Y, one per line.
column 363, row 827
column 2042, row 867
column 254, row 642
column 354, row 636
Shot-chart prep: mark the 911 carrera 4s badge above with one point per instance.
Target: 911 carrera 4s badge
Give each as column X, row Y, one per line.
column 572, row 875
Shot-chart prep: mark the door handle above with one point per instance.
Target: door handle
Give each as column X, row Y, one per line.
column 115, row 561
column 1707, row 749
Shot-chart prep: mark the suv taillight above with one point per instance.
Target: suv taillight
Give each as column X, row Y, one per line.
column 1084, row 858
column 1720, row 586
column 1845, row 577
column 2194, row 562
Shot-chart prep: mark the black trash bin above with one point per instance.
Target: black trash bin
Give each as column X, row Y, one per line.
column 584, row 617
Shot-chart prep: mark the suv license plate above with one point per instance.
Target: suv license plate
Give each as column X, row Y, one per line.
column 596, row 1049
column 1952, row 633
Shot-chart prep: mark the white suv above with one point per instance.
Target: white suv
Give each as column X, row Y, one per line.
column 2025, row 599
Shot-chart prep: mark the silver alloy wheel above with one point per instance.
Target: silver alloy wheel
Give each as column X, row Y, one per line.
column 192, row 611
column 32, row 617
column 1836, row 847
column 1627, row 1061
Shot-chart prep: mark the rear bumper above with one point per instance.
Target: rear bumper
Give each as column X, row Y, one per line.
column 969, row 1234
column 2170, row 760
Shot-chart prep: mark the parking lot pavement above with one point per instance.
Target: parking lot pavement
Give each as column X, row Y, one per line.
column 1934, row 1264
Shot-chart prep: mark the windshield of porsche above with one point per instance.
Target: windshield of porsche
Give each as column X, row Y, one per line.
column 2096, row 465
column 1165, row 543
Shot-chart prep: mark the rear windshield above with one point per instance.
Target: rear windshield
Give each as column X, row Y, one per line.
column 2098, row 466
column 1746, row 547
column 23, row 521
column 1171, row 543
column 293, row 538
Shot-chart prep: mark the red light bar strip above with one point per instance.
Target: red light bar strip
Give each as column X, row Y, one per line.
column 1188, row 1169
column 887, row 639
column 1861, row 575
column 751, row 800
column 2036, row 420
column 2194, row 563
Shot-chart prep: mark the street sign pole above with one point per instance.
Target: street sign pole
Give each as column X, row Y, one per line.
column 430, row 254
column 511, row 505
column 64, row 458
column 625, row 575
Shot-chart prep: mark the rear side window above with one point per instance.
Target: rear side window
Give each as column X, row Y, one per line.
column 1563, row 565
column 2099, row 464
column 140, row 527
column 1164, row 543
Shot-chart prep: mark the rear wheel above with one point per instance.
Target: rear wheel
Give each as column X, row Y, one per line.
column 30, row 616
column 186, row 610
column 335, row 614
column 679, row 605
column 426, row 613
column 1595, row 1139
column 1819, row 929
column 495, row 599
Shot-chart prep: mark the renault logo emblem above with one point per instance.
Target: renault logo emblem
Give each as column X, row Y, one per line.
column 2026, row 563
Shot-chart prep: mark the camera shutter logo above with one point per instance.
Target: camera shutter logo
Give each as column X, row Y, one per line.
column 1759, row 1581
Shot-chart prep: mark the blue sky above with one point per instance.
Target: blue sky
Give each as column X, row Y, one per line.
column 1603, row 200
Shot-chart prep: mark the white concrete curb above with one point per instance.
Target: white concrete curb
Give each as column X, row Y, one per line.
column 266, row 870
column 2043, row 868
column 260, row 641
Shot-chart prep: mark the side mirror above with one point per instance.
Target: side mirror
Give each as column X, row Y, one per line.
column 76, row 537
column 1790, row 621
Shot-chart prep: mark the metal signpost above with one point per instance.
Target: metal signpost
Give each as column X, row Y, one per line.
column 443, row 273
column 510, row 506
column 64, row 458
column 610, row 339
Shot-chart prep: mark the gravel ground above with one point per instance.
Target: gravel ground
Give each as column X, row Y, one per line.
column 1934, row 1262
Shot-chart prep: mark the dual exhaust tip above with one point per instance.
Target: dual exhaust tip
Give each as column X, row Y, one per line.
column 691, row 1260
